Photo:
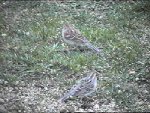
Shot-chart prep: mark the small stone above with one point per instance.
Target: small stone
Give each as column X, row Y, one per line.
column 2, row 101
column 17, row 82
column 3, row 35
column 22, row 83
column 119, row 91
column 27, row 33
column 137, row 79
column 45, row 88
column 1, row 81
column 96, row 106
column 81, row 110
column 131, row 72
column 145, row 92
column 11, row 89
column 90, row 110
column 117, row 86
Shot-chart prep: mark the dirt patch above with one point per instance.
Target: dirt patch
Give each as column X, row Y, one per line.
column 43, row 95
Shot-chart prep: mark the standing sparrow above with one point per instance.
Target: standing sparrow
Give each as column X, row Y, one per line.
column 74, row 37
column 83, row 87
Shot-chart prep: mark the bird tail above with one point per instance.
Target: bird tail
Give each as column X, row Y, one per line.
column 89, row 45
column 66, row 96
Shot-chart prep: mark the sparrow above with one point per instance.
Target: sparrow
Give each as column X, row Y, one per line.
column 74, row 37
column 84, row 87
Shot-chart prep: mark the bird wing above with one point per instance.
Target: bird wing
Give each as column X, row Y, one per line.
column 75, row 35
column 84, row 89
column 79, row 38
column 87, row 86
column 71, row 92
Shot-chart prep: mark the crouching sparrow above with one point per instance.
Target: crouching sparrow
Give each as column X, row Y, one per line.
column 82, row 88
column 74, row 37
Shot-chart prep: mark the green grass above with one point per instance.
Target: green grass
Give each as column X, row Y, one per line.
column 33, row 43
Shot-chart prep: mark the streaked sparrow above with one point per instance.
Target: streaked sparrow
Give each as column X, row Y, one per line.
column 74, row 37
column 83, row 87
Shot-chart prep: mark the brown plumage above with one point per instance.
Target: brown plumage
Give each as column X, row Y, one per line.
column 74, row 37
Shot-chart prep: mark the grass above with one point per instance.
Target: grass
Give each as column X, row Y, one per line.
column 32, row 42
